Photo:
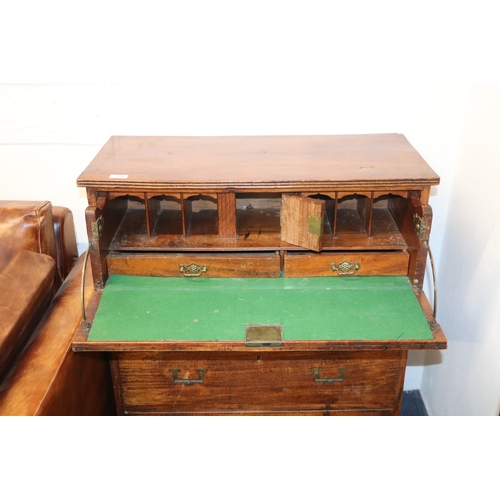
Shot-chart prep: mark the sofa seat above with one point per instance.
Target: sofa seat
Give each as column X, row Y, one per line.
column 26, row 286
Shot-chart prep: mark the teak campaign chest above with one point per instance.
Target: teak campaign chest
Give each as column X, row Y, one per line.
column 258, row 275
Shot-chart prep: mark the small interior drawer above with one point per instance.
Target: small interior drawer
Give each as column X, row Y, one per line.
column 209, row 265
column 382, row 263
column 262, row 381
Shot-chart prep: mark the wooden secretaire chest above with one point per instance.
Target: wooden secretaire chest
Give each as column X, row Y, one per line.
column 258, row 275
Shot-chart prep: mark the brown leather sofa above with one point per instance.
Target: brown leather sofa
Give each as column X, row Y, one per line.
column 40, row 310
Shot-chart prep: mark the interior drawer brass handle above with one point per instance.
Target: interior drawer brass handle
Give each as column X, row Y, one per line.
column 317, row 378
column 188, row 381
column 192, row 270
column 345, row 268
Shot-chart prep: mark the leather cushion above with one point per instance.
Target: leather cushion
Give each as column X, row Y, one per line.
column 26, row 286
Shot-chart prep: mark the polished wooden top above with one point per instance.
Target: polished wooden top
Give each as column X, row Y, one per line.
column 253, row 162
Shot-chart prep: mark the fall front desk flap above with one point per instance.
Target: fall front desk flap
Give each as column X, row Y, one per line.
column 139, row 308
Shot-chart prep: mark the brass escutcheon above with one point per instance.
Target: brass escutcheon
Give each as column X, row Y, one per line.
column 345, row 268
column 192, row 270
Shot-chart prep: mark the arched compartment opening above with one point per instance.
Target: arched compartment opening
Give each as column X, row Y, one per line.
column 165, row 215
column 200, row 212
column 257, row 213
column 353, row 214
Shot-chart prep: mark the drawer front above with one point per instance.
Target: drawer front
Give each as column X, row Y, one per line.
column 210, row 265
column 298, row 265
column 260, row 382
column 326, row 412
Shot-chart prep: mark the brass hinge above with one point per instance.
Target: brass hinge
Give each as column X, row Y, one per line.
column 432, row 326
column 315, row 225
column 97, row 228
column 420, row 226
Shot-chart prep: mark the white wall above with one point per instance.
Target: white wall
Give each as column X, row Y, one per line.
column 465, row 379
column 73, row 76
column 48, row 134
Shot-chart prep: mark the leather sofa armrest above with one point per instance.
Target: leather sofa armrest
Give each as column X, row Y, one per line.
column 26, row 286
column 65, row 239
column 26, row 225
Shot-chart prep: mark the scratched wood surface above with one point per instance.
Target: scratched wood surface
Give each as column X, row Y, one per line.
column 252, row 162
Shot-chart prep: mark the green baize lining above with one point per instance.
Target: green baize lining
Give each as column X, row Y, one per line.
column 143, row 308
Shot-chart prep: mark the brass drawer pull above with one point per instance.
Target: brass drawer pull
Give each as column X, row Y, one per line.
column 316, row 372
column 192, row 270
column 345, row 268
column 188, row 381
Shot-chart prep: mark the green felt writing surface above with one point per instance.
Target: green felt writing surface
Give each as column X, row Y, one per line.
column 137, row 308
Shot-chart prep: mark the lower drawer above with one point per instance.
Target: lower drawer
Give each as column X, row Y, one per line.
column 210, row 265
column 326, row 412
column 383, row 263
column 264, row 382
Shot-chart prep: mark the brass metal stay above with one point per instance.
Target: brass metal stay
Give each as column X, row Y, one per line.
column 84, row 273
column 434, row 279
